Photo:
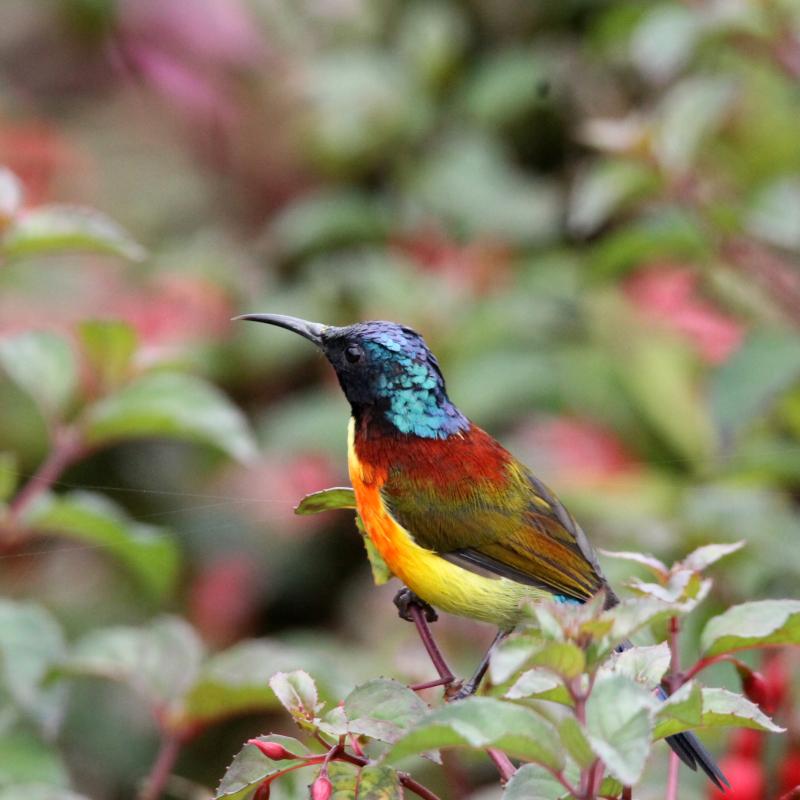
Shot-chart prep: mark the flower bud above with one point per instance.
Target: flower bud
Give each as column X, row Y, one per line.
column 273, row 750
column 262, row 793
column 322, row 788
column 746, row 777
column 755, row 687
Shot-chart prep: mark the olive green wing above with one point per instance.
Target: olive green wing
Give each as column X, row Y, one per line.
column 514, row 528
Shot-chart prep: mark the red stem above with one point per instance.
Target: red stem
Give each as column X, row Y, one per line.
column 162, row 767
column 503, row 764
column 359, row 761
column 67, row 447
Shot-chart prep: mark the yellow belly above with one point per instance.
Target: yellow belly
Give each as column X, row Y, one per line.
column 437, row 581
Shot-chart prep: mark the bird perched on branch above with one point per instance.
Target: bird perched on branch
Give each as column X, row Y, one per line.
column 463, row 524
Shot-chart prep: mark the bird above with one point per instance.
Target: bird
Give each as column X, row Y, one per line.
column 465, row 526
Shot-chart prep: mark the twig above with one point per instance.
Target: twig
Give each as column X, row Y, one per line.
column 503, row 764
column 67, row 447
column 337, row 753
column 162, row 767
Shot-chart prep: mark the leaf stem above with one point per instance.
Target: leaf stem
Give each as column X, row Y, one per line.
column 503, row 764
column 337, row 753
column 162, row 767
column 67, row 447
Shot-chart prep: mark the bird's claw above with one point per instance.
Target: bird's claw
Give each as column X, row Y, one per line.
column 405, row 598
column 458, row 690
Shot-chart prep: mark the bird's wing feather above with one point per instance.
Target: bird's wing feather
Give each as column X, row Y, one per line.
column 509, row 524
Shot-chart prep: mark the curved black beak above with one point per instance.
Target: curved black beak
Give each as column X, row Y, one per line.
column 309, row 330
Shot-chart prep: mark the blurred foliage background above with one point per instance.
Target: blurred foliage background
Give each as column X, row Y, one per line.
column 591, row 210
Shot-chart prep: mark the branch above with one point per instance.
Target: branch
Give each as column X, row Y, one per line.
column 67, row 447
column 503, row 764
column 162, row 767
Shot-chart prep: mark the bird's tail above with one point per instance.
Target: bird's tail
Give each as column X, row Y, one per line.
column 690, row 750
column 688, row 747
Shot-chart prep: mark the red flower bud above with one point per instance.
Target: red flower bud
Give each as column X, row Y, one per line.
column 746, row 778
column 321, row 789
column 747, row 743
column 756, row 688
column 790, row 771
column 262, row 793
column 777, row 677
column 273, row 750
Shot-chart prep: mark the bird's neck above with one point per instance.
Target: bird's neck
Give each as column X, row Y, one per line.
column 410, row 413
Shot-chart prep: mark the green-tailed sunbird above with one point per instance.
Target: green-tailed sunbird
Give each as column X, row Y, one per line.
column 461, row 522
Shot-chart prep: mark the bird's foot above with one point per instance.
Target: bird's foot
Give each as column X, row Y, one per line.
column 405, row 598
column 458, row 690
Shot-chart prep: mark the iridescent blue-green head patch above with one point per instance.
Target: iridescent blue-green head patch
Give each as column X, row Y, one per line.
column 387, row 369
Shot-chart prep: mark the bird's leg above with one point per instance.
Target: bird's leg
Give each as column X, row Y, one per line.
column 415, row 610
column 469, row 687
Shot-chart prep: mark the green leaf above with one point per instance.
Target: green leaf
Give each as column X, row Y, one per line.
column 297, row 693
column 481, row 722
column 539, row 684
column 57, row 228
column 377, row 782
column 236, row 681
column 250, row 767
column 664, row 40
column 161, row 660
column 470, row 183
column 8, row 475
column 386, row 108
column 31, row 642
column 690, row 111
column 327, row 500
column 604, row 188
column 745, row 386
column 506, row 85
column 533, row 782
column 619, row 719
column 681, row 711
column 147, row 551
column 43, row 365
column 172, row 405
column 631, row 615
column 383, row 710
column 344, row 779
column 775, row 215
column 709, row 554
column 327, row 220
column 38, row 791
column 659, row 376
column 645, row 665
column 683, row 591
column 563, row 658
column 655, row 565
column 25, row 758
column 721, row 708
column 511, row 655
column 575, row 742
column 109, row 347
column 755, row 624
column 431, row 38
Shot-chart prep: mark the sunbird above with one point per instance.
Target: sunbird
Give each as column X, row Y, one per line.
column 462, row 523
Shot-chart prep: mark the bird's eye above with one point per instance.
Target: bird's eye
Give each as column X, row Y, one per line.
column 353, row 353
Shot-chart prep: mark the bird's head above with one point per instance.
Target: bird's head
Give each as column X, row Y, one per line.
column 384, row 368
